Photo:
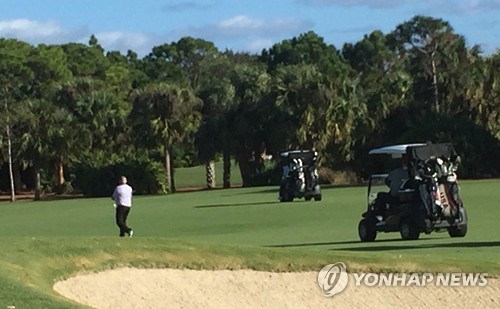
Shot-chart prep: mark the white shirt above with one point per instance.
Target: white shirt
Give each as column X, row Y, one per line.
column 123, row 195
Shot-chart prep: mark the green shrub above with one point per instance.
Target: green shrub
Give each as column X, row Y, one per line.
column 144, row 175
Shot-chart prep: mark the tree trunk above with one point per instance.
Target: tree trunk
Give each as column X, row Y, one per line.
column 434, row 84
column 168, row 169
column 210, row 174
column 246, row 170
column 38, row 189
column 60, row 177
column 16, row 172
column 172, row 175
column 9, row 151
column 226, row 157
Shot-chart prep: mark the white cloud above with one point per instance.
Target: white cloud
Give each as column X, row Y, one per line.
column 456, row 6
column 351, row 3
column 474, row 6
column 187, row 6
column 246, row 33
column 240, row 22
column 256, row 46
column 49, row 32
column 244, row 27
column 140, row 43
column 25, row 27
column 243, row 24
column 238, row 33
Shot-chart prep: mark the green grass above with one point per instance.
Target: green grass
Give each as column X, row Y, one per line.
column 195, row 176
column 42, row 242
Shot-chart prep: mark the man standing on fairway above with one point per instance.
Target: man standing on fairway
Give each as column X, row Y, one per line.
column 123, row 201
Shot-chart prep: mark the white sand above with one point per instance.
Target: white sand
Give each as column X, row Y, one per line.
column 174, row 288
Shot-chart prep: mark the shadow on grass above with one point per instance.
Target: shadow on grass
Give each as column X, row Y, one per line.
column 327, row 243
column 415, row 245
column 236, row 204
column 265, row 189
column 269, row 189
column 275, row 188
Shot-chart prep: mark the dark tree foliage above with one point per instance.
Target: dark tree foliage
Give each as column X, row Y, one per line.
column 188, row 103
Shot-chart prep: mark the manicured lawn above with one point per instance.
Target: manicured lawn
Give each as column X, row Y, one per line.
column 235, row 228
column 195, row 176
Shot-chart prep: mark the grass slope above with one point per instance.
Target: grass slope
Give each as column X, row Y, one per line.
column 235, row 228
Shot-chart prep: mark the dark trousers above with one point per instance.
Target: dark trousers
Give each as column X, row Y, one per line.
column 121, row 219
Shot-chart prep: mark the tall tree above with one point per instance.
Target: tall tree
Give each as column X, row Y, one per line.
column 217, row 94
column 315, row 88
column 184, row 62
column 50, row 68
column 16, row 79
column 162, row 115
column 307, row 48
column 428, row 41
column 384, row 87
column 249, row 120
column 86, row 61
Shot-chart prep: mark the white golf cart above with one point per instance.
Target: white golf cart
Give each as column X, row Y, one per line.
column 428, row 200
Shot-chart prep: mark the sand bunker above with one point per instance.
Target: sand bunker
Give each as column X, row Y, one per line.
column 174, row 288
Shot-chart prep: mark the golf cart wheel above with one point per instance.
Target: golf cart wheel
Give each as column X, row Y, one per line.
column 408, row 230
column 285, row 195
column 286, row 198
column 459, row 230
column 366, row 231
column 307, row 197
column 317, row 197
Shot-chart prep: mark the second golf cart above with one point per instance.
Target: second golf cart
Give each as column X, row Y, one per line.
column 300, row 177
column 427, row 200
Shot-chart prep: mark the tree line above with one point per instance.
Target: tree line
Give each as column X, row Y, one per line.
column 188, row 103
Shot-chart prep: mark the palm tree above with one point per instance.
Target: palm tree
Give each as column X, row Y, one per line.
column 248, row 120
column 217, row 94
column 162, row 115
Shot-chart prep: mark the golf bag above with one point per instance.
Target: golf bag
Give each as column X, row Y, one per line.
column 437, row 183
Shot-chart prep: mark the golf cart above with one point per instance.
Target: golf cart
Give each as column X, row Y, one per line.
column 428, row 200
column 300, row 177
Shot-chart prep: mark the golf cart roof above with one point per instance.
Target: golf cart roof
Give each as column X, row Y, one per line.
column 419, row 151
column 394, row 149
column 308, row 156
column 297, row 153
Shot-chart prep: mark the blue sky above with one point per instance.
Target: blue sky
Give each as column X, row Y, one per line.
column 239, row 25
